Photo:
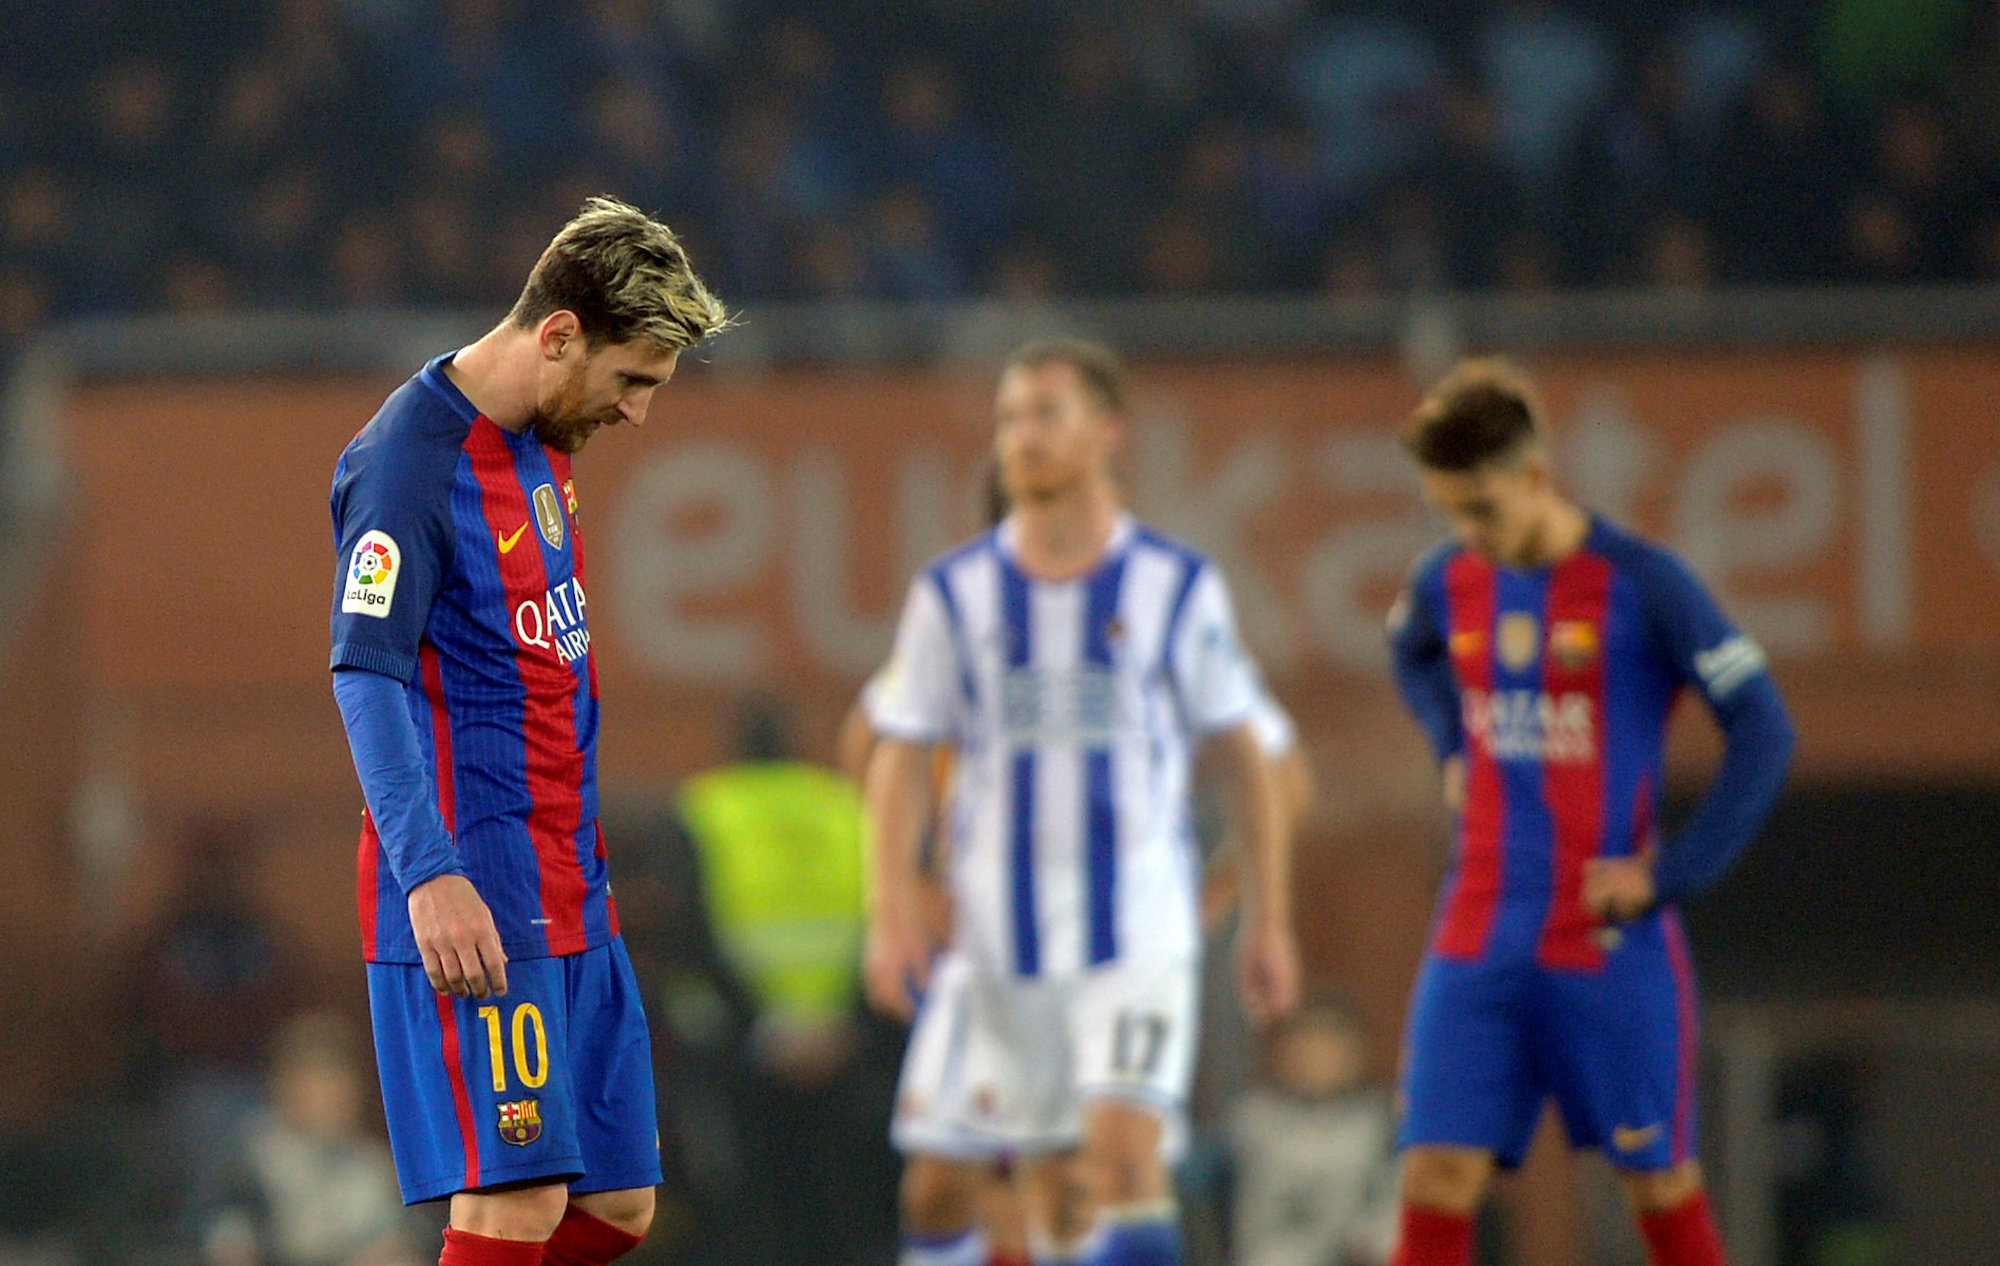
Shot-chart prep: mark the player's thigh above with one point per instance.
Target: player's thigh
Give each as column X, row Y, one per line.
column 1622, row 1052
column 610, row 1052
column 1135, row 1028
column 980, row 1074
column 475, row 1092
column 1470, row 1076
column 940, row 1195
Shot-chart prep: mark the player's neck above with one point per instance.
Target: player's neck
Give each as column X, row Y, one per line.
column 497, row 374
column 1066, row 536
column 1564, row 529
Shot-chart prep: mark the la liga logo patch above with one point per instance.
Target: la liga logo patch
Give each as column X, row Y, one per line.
column 371, row 576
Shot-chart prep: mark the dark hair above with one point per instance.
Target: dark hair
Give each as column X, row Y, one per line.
column 1485, row 411
column 1103, row 374
column 625, row 276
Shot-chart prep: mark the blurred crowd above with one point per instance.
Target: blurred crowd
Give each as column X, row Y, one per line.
column 376, row 152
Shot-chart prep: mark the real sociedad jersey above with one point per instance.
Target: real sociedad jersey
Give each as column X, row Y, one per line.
column 1075, row 707
column 1555, row 685
column 462, row 577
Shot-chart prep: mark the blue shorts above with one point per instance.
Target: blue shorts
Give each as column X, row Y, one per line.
column 1489, row 1043
column 552, row 1082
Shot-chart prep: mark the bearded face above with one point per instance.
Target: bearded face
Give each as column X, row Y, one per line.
column 567, row 416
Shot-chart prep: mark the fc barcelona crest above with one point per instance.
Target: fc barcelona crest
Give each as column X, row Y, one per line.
column 549, row 516
column 521, row 1121
column 1573, row 643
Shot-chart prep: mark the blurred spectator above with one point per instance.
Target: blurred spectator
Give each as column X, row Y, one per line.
column 208, row 981
column 1086, row 153
column 262, row 155
column 1547, row 70
column 926, row 141
column 1313, row 1149
column 1833, row 1205
column 1636, row 159
column 1367, row 82
column 310, row 1186
column 1476, row 194
column 1778, row 172
column 780, row 844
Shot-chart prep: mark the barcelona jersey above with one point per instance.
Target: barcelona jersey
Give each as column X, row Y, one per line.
column 462, row 576
column 1555, row 685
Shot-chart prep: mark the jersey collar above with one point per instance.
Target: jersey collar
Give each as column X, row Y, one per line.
column 1007, row 539
column 437, row 380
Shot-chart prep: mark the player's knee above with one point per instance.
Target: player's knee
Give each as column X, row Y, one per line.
column 1062, row 1208
column 1122, row 1151
column 1452, row 1179
column 939, row 1197
column 630, row 1211
column 1655, row 1191
column 521, row 1213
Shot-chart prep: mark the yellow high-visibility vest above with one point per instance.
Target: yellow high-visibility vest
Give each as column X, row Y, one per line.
column 781, row 849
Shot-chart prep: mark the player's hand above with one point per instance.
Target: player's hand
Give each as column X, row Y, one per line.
column 1270, row 967
column 1619, row 889
column 895, row 965
column 1454, row 783
column 456, row 936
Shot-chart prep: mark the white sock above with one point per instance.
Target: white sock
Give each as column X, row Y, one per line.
column 967, row 1248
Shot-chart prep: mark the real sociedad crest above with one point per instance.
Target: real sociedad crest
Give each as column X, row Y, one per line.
column 549, row 515
column 521, row 1121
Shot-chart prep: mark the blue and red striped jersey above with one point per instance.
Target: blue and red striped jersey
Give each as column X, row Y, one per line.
column 462, row 576
column 1555, row 685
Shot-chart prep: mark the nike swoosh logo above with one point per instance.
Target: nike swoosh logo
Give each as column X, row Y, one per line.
column 1625, row 1138
column 507, row 543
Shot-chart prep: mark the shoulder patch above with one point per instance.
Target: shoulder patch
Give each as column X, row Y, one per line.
column 372, row 575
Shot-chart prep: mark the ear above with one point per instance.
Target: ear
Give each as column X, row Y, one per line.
column 558, row 332
column 1115, row 425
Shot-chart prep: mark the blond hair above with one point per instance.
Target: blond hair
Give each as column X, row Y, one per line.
column 626, row 276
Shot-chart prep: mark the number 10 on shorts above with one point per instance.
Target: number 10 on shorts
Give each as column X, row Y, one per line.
column 532, row 1073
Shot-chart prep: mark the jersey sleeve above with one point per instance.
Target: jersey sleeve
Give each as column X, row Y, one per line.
column 392, row 531
column 1277, row 735
column 1420, row 656
column 1711, row 654
column 918, row 696
column 1706, row 650
column 1213, row 676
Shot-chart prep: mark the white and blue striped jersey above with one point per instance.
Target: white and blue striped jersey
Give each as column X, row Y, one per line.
column 1075, row 707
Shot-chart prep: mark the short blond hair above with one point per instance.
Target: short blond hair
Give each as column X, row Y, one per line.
column 626, row 276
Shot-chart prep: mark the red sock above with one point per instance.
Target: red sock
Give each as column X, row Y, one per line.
column 1683, row 1235
column 1432, row 1237
column 463, row 1248
column 584, row 1240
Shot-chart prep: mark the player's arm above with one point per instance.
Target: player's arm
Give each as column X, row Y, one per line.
column 1422, row 664
column 391, row 524
column 1728, row 669
column 454, row 929
column 897, row 963
column 912, row 704
column 1218, row 695
column 1270, row 963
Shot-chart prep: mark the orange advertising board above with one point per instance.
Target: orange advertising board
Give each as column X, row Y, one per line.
column 757, row 533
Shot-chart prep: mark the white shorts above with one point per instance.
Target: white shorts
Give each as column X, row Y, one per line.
column 1001, row 1064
